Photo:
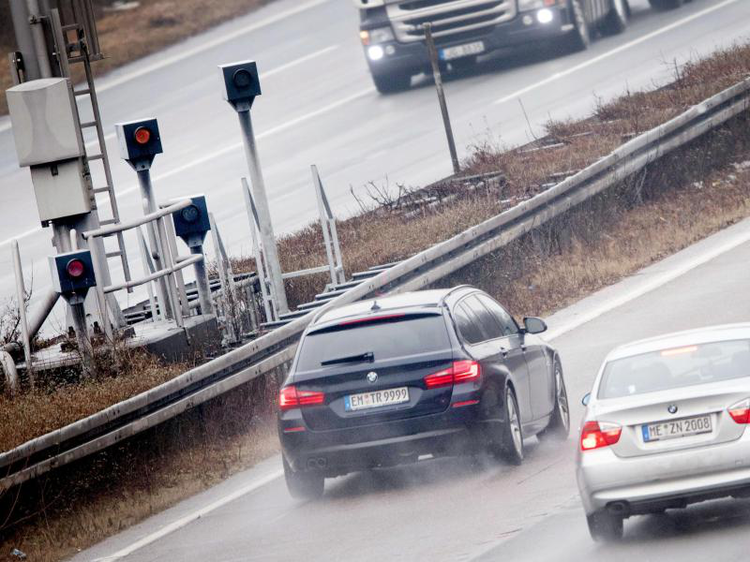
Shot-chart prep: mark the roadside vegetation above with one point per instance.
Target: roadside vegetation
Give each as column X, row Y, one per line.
column 676, row 201
column 131, row 33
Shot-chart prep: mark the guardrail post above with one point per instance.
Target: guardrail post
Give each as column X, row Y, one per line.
column 437, row 75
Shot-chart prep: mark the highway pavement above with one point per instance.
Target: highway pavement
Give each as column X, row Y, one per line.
column 460, row 509
column 319, row 107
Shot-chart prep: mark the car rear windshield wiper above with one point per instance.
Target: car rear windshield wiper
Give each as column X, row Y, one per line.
column 368, row 356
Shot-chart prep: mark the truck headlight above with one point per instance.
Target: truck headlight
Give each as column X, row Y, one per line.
column 376, row 36
column 529, row 5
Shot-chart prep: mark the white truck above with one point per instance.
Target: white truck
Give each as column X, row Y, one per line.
column 392, row 31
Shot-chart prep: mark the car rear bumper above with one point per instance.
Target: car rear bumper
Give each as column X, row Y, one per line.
column 525, row 29
column 674, row 479
column 337, row 452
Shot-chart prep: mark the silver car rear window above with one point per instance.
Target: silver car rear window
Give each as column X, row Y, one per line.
column 676, row 368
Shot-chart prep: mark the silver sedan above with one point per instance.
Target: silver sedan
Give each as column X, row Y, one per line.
column 665, row 427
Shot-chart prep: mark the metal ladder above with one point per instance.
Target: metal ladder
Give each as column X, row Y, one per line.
column 77, row 53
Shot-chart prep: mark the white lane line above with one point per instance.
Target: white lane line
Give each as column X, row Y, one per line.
column 108, row 84
column 647, row 287
column 203, row 47
column 264, row 75
column 265, row 134
column 615, row 51
column 189, row 518
column 235, row 146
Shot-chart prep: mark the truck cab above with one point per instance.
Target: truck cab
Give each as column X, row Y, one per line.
column 393, row 37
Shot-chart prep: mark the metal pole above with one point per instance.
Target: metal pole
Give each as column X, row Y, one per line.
column 101, row 298
column 201, row 281
column 21, row 296
column 40, row 42
column 171, row 239
column 441, row 95
column 148, row 269
column 264, row 212
column 82, row 336
column 149, row 206
column 324, row 222
column 227, row 282
column 259, row 261
column 168, row 263
column 11, row 374
column 19, row 13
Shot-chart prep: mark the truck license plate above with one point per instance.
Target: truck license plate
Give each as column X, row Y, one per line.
column 459, row 51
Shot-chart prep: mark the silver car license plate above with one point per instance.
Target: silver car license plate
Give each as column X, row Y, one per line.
column 676, row 429
column 459, row 51
column 376, row 399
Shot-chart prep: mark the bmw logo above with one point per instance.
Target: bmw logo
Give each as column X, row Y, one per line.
column 672, row 409
column 372, row 377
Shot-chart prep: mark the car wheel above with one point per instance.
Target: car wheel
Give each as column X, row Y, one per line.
column 559, row 424
column 303, row 485
column 665, row 4
column 580, row 38
column 391, row 83
column 617, row 19
column 605, row 526
column 511, row 448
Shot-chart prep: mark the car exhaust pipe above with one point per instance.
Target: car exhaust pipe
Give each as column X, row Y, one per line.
column 619, row 508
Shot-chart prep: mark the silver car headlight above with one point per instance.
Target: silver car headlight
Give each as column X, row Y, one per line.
column 377, row 36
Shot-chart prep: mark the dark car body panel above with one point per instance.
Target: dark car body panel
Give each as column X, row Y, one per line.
column 435, row 421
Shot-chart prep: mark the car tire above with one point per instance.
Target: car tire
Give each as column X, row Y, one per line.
column 617, row 19
column 303, row 485
column 605, row 526
column 559, row 424
column 665, row 4
column 391, row 83
column 511, row 447
column 580, row 38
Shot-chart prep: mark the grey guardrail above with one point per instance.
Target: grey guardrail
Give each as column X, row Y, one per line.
column 271, row 351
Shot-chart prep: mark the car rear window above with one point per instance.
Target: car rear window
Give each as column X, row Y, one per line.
column 676, row 368
column 392, row 339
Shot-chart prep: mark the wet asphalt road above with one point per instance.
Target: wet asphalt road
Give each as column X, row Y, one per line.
column 319, row 107
column 459, row 509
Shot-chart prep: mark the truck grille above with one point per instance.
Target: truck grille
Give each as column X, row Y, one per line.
column 448, row 17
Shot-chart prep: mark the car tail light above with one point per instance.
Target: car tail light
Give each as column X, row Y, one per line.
column 595, row 435
column 459, row 372
column 740, row 411
column 290, row 397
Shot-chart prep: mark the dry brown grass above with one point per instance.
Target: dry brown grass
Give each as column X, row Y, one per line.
column 166, row 22
column 56, row 515
column 69, row 399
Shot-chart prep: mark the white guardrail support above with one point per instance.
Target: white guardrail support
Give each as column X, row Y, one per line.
column 271, row 351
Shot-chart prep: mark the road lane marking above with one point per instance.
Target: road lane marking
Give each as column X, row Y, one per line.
column 190, row 517
column 108, row 84
column 235, row 146
column 615, row 51
column 265, row 134
column 655, row 283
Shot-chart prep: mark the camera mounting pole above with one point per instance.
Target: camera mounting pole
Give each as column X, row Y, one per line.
column 241, row 87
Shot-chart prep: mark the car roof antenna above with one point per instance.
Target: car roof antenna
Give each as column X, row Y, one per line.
column 375, row 306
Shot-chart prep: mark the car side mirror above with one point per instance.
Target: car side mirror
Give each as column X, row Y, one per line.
column 534, row 325
column 586, row 399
